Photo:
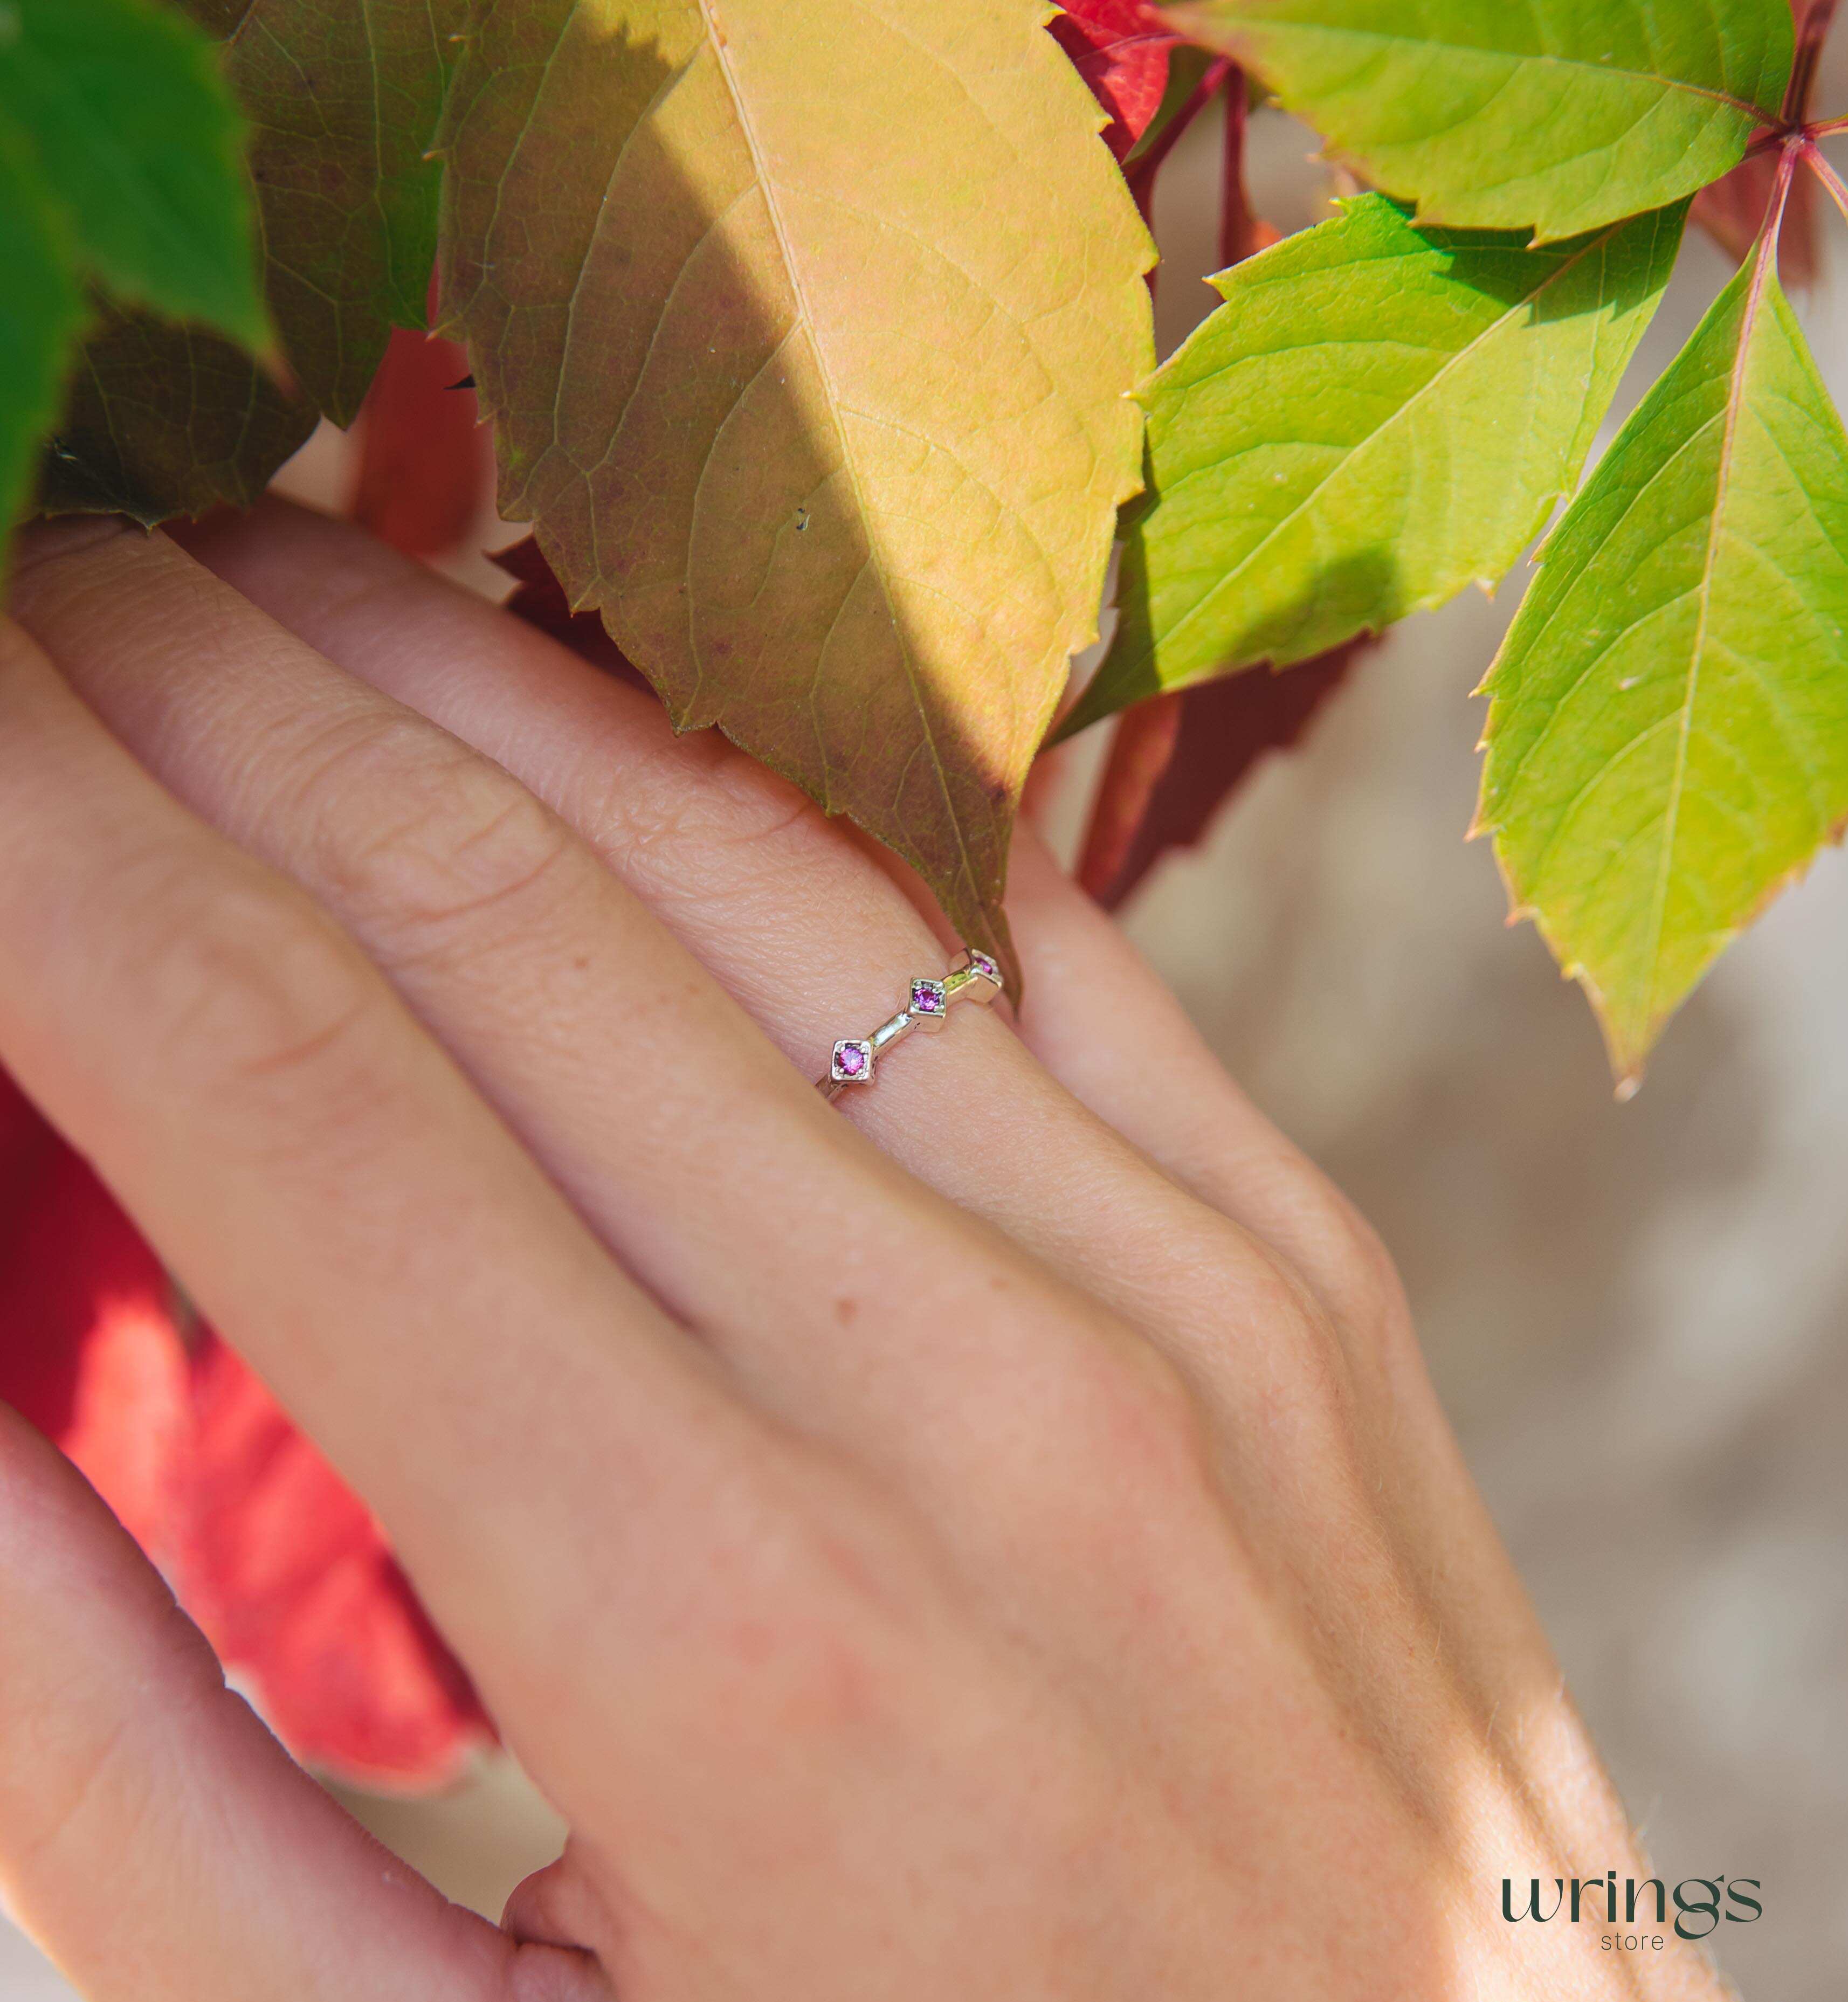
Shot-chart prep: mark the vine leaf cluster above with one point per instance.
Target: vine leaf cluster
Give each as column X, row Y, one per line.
column 815, row 340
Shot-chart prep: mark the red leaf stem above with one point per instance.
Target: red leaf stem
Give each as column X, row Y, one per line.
column 1812, row 32
column 1242, row 232
column 1141, row 173
column 1141, row 750
column 1826, row 174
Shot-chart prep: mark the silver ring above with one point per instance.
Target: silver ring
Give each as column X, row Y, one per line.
column 974, row 977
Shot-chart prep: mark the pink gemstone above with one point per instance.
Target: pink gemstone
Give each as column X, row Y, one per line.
column 927, row 997
column 979, row 962
column 849, row 1059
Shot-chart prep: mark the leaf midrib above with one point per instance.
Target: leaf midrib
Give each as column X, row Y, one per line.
column 717, row 43
column 1762, row 270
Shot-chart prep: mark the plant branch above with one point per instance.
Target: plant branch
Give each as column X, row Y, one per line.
column 1141, row 177
column 1795, row 147
column 1240, row 229
column 1140, row 752
column 1810, row 38
column 1826, row 174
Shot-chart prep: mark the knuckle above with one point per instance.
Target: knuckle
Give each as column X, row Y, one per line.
column 248, row 989
column 1148, row 1428
column 813, row 1625
column 1128, row 1448
column 48, row 548
column 427, row 838
column 700, row 820
column 1356, row 1283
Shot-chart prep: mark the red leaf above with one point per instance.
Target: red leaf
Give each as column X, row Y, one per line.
column 1222, row 729
column 425, row 462
column 540, row 600
column 293, row 1582
column 1122, row 51
column 282, row 1566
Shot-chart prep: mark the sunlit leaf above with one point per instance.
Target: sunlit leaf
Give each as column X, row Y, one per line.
column 807, row 344
column 1668, row 734
column 124, row 106
column 41, row 315
column 1558, row 116
column 1379, row 415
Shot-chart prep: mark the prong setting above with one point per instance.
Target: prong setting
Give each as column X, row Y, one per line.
column 929, row 1003
column 853, row 1062
column 974, row 977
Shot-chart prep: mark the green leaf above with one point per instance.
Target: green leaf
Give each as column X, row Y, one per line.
column 809, row 344
column 161, row 421
column 1556, row 116
column 344, row 99
column 1378, row 415
column 134, row 129
column 344, row 96
column 1667, row 734
column 42, row 314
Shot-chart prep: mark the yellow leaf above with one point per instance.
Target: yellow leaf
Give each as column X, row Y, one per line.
column 808, row 327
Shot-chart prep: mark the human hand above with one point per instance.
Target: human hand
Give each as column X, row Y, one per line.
column 992, row 1538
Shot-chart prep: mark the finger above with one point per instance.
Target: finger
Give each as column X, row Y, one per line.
column 154, row 1837
column 1101, row 1019
column 328, row 1188
column 814, row 940
column 1208, row 1135
column 715, row 1171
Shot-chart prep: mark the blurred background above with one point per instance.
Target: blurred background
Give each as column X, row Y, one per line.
column 1638, row 1315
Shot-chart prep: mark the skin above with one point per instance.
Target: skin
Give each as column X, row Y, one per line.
column 993, row 1537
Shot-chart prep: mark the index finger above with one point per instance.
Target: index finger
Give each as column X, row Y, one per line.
column 538, row 1436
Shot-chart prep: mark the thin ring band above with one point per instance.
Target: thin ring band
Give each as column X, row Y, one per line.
column 974, row 977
